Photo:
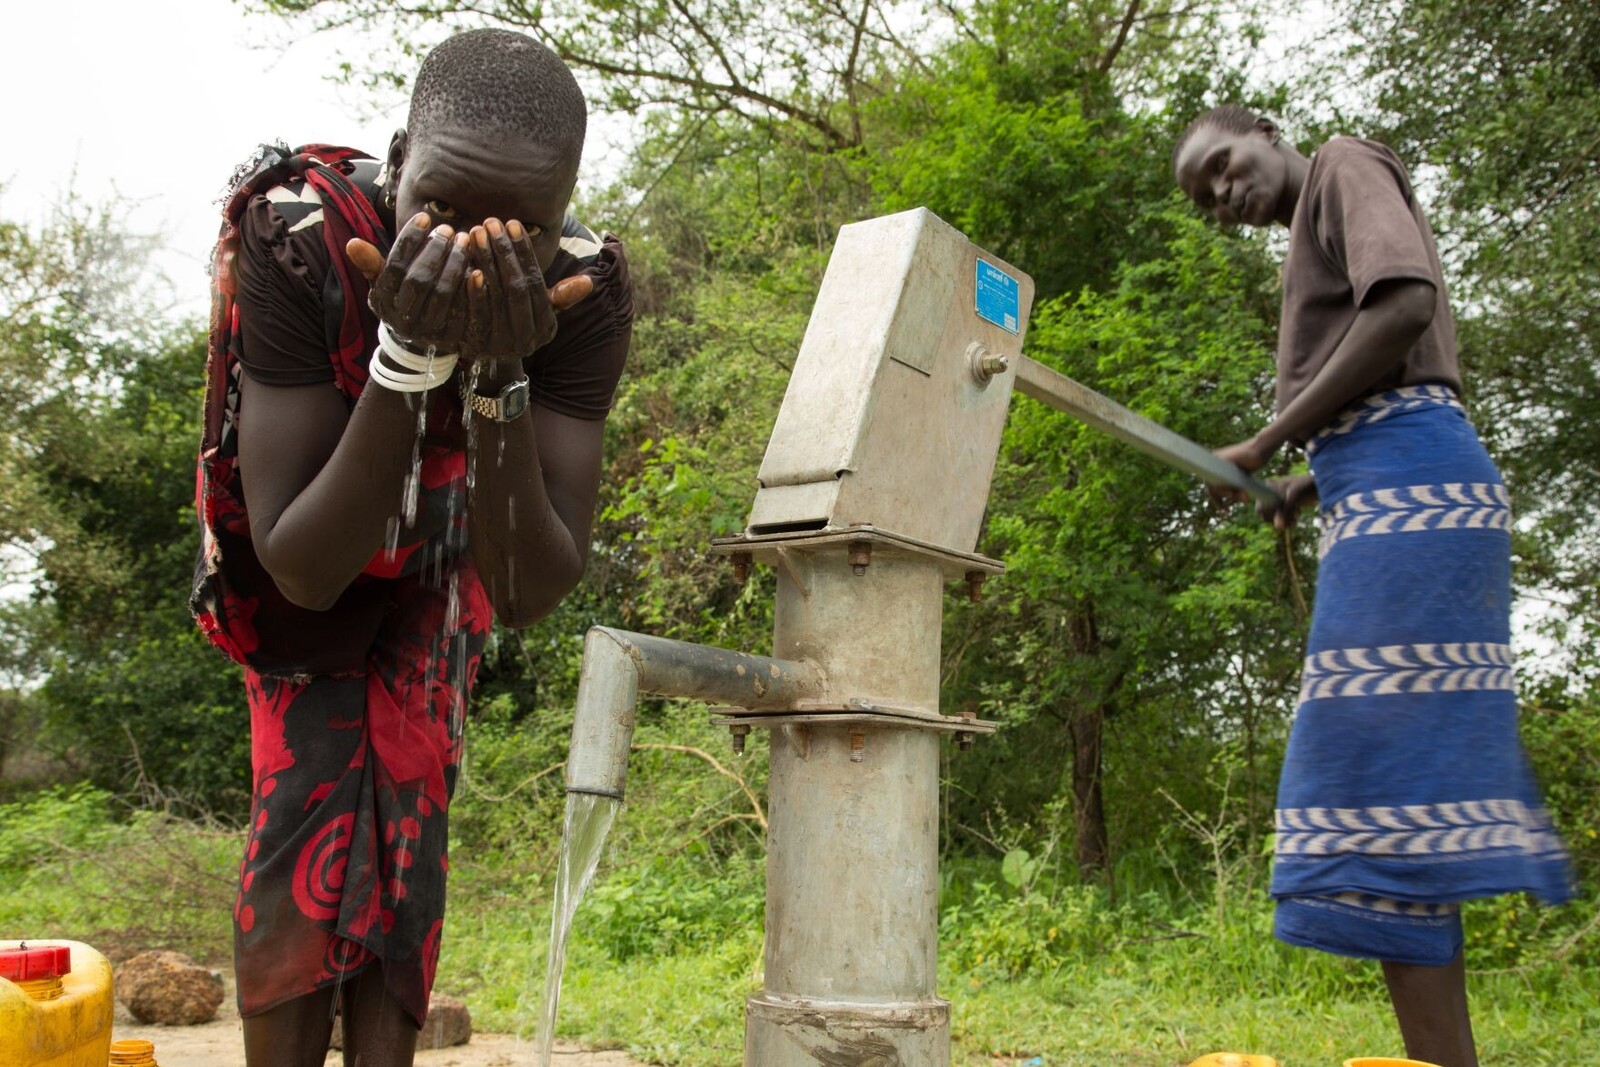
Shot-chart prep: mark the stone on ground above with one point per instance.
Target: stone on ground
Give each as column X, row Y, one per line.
column 449, row 1024
column 168, row 988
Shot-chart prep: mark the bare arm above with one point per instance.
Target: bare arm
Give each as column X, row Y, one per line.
column 532, row 507
column 321, row 483
column 1389, row 323
column 537, row 477
column 1395, row 315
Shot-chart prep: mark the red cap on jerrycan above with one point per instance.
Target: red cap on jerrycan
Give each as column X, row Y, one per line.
column 37, row 971
column 26, row 964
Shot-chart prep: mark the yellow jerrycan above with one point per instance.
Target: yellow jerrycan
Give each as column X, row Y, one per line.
column 55, row 1005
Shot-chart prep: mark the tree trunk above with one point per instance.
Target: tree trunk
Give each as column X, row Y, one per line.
column 1094, row 850
column 1087, row 728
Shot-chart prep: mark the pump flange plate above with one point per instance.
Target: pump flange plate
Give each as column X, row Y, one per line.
column 764, row 547
column 868, row 715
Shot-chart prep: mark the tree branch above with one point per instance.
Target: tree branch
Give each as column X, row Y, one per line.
column 710, row 40
column 836, row 138
column 759, row 812
column 1122, row 37
column 850, row 69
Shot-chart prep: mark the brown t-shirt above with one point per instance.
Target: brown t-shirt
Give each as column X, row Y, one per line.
column 1358, row 223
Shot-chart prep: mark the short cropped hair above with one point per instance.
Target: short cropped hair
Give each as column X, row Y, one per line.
column 1229, row 118
column 499, row 81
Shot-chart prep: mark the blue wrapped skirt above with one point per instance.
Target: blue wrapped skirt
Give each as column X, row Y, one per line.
column 1405, row 788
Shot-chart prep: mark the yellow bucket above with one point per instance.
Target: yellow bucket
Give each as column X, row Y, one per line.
column 55, row 1005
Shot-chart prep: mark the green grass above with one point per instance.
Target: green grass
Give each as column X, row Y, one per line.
column 1151, row 1005
column 669, row 944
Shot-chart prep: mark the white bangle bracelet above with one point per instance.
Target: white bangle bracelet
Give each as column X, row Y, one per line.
column 422, row 372
column 389, row 378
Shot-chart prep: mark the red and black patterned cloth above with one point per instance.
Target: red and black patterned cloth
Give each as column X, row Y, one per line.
column 355, row 712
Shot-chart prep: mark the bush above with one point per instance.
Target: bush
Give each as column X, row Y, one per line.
column 70, row 868
column 53, row 822
column 662, row 907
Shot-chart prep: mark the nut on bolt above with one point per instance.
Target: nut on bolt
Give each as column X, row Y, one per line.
column 739, row 731
column 985, row 364
column 860, row 556
column 964, row 738
column 741, row 566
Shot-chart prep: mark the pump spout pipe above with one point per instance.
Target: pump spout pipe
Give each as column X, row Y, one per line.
column 1062, row 393
column 618, row 666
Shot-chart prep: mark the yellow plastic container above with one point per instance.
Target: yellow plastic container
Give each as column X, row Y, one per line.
column 1233, row 1059
column 52, row 1016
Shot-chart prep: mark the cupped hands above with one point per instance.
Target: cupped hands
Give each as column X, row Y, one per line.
column 477, row 293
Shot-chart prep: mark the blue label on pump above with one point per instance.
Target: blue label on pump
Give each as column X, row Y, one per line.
column 999, row 297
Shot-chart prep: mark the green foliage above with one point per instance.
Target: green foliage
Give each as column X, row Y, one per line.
column 36, row 829
column 1564, row 741
column 662, row 908
column 134, row 692
column 99, row 460
column 163, row 709
column 76, row 863
column 1042, row 181
column 998, row 935
column 70, row 317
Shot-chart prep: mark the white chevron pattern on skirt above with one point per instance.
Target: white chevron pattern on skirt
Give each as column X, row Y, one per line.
column 1456, row 829
column 1388, row 670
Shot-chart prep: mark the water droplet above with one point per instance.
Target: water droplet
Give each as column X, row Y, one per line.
column 458, row 681
column 408, row 498
column 452, row 611
column 413, row 484
column 472, row 429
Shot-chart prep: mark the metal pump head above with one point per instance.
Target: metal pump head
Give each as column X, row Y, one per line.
column 894, row 411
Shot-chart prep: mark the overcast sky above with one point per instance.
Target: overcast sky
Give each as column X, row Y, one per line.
column 158, row 102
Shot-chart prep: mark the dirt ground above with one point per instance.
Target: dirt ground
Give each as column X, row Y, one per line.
column 219, row 1044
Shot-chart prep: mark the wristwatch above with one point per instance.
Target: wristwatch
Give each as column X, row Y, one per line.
column 504, row 406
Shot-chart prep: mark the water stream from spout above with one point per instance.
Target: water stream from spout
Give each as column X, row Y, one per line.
column 589, row 819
